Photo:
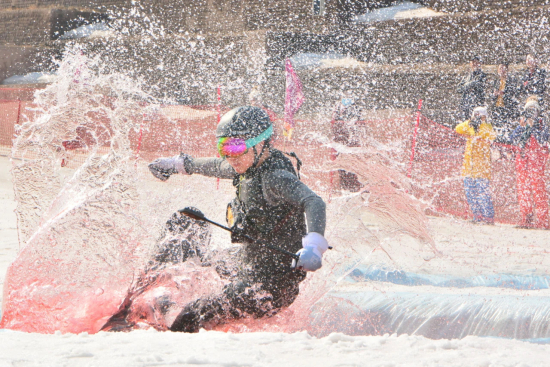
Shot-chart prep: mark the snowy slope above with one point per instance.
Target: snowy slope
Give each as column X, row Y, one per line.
column 150, row 348
column 468, row 251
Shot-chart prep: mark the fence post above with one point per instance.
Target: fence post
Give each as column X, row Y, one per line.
column 18, row 110
column 414, row 137
column 219, row 95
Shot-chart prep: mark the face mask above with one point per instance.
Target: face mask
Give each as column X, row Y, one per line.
column 347, row 101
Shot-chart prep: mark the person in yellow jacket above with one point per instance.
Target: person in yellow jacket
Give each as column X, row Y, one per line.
column 476, row 168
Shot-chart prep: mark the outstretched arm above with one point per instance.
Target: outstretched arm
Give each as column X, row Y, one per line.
column 211, row 167
column 163, row 168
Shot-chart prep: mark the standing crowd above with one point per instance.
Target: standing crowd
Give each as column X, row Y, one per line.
column 513, row 115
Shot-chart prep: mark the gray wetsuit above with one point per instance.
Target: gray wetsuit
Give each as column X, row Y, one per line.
column 272, row 205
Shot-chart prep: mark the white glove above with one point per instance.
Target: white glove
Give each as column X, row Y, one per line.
column 314, row 246
column 163, row 168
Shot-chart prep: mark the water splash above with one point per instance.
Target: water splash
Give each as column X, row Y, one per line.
column 83, row 234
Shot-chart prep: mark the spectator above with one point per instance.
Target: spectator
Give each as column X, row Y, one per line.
column 532, row 82
column 505, row 99
column 531, row 140
column 345, row 115
column 476, row 168
column 472, row 88
column 344, row 118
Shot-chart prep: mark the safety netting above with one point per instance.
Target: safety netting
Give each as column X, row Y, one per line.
column 433, row 164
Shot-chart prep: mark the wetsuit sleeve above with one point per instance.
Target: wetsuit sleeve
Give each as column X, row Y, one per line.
column 281, row 186
column 211, row 167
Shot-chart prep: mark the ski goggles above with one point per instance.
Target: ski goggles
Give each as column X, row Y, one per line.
column 229, row 147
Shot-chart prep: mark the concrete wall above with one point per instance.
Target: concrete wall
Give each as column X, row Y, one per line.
column 462, row 6
column 87, row 4
column 25, row 27
column 228, row 42
column 410, row 59
column 16, row 60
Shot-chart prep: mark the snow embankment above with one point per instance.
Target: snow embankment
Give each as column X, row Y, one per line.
column 210, row 348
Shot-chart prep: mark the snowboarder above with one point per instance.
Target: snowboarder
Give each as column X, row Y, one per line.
column 271, row 204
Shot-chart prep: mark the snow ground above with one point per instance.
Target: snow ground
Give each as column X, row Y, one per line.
column 469, row 250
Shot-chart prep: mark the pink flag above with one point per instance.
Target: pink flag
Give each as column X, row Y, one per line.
column 293, row 99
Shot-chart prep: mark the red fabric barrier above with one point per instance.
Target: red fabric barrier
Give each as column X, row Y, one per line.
column 435, row 170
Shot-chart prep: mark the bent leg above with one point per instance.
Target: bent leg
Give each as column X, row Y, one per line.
column 183, row 237
column 240, row 299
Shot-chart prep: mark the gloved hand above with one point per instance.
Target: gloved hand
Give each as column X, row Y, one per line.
column 163, row 168
column 314, row 246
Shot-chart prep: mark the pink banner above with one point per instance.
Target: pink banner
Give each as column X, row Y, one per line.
column 293, row 99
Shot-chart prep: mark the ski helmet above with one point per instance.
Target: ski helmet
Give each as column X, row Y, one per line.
column 246, row 122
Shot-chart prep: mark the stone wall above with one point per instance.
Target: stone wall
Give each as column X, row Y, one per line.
column 186, row 69
column 37, row 26
column 234, row 16
column 378, row 87
column 16, row 60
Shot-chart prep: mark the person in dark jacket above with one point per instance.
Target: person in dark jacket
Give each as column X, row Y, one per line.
column 345, row 116
column 505, row 103
column 533, row 80
column 271, row 205
column 531, row 139
column 472, row 88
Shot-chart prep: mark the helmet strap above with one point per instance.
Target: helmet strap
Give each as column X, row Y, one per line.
column 257, row 156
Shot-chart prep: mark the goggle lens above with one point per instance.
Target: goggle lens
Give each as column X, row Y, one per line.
column 231, row 147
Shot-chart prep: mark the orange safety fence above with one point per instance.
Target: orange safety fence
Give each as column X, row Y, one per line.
column 435, row 170
column 9, row 117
